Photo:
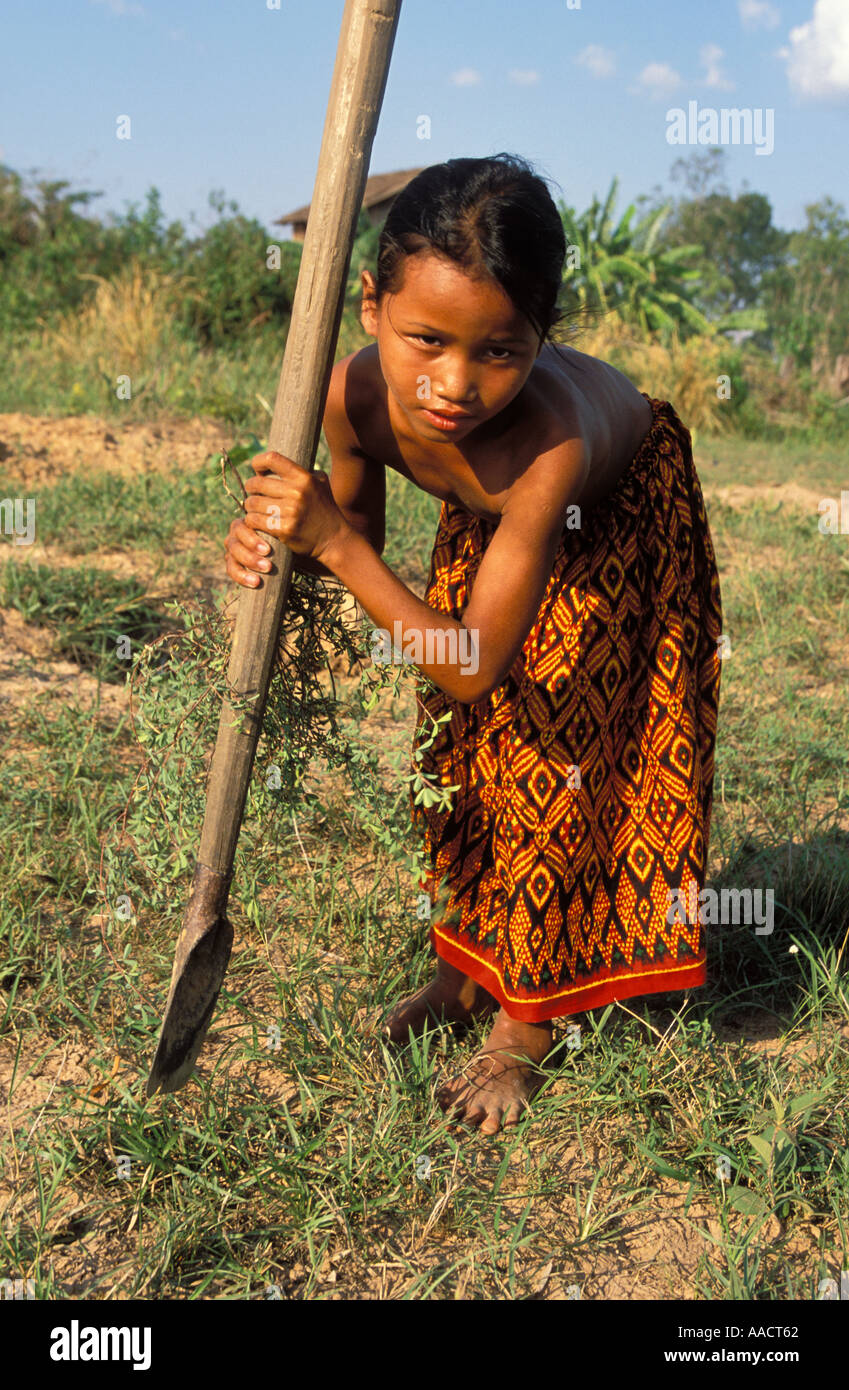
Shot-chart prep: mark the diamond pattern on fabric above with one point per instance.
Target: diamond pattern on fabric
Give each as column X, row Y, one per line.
column 586, row 778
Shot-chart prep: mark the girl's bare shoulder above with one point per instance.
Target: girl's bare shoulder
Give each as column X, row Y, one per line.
column 614, row 416
column 601, row 388
column 352, row 396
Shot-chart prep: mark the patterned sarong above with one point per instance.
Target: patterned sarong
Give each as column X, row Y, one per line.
column 586, row 778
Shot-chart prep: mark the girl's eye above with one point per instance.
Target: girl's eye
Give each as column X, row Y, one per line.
column 428, row 340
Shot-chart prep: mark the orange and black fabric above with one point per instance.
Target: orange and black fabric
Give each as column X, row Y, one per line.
column 585, row 780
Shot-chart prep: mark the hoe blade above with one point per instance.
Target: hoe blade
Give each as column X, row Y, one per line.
column 200, row 963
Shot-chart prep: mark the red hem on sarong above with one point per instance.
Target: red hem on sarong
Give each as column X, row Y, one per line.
column 581, row 997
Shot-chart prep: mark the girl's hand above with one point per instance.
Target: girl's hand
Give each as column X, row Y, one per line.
column 295, row 506
column 247, row 554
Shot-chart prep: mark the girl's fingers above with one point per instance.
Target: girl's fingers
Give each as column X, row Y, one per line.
column 247, row 555
column 256, row 508
column 269, row 483
column 241, row 575
column 245, row 535
column 271, row 462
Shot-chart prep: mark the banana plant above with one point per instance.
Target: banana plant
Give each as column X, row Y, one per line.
column 612, row 265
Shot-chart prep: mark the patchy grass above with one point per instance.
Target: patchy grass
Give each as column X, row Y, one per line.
column 684, row 1146
column 95, row 619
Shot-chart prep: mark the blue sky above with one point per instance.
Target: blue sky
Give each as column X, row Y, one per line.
column 231, row 94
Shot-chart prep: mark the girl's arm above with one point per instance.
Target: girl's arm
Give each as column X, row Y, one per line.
column 357, row 484
column 469, row 659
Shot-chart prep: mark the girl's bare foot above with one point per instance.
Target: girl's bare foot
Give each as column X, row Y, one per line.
column 495, row 1087
column 451, row 997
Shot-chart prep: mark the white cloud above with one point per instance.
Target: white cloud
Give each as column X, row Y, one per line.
column 758, row 14
column 709, row 57
column 466, row 77
column 658, row 79
column 818, row 55
column 523, row 77
column 122, row 7
column 597, row 60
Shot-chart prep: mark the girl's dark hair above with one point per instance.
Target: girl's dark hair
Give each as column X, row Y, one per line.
column 491, row 216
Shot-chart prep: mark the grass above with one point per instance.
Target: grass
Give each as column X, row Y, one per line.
column 121, row 357
column 94, row 619
column 821, row 469
column 82, row 511
column 691, row 1145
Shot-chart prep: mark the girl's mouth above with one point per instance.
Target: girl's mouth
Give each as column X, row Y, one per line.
column 448, row 423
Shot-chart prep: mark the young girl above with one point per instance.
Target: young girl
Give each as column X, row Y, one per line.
column 574, row 560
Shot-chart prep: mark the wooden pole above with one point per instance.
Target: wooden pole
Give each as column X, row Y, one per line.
column 356, row 94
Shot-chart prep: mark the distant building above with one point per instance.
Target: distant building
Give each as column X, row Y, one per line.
column 738, row 335
column 380, row 192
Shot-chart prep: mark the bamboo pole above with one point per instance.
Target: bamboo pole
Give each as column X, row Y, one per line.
column 203, row 948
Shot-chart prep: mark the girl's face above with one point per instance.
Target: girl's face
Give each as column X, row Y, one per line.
column 448, row 342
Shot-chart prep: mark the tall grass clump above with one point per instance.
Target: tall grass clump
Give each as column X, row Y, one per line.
column 683, row 372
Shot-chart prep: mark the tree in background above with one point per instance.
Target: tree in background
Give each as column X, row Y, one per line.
column 740, row 244
column 46, row 244
column 53, row 254
column 613, row 266
column 238, row 287
column 806, row 300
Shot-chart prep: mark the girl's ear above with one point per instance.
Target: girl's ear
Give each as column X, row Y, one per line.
column 368, row 309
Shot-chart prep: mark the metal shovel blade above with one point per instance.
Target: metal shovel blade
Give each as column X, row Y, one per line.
column 200, row 962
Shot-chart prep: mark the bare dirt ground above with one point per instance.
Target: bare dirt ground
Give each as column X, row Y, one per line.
column 38, row 449
column 658, row 1253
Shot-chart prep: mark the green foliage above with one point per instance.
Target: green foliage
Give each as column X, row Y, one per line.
column 807, row 298
column 745, row 413
column 48, row 246
column 623, row 268
column 309, row 737
column 236, row 290
column 740, row 244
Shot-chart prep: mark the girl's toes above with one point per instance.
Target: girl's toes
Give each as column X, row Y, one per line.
column 513, row 1114
column 492, row 1122
column 370, row 1024
column 474, row 1114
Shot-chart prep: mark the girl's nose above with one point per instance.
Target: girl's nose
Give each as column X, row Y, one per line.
column 456, row 388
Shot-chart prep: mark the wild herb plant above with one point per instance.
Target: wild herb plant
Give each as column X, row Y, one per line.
column 310, row 733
